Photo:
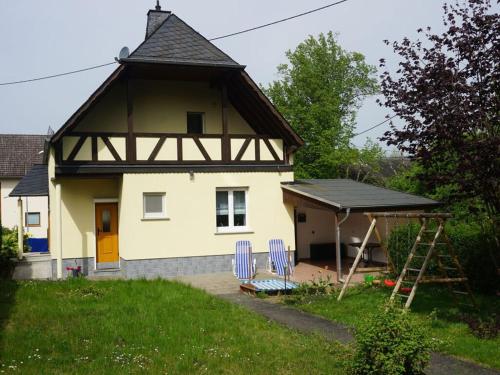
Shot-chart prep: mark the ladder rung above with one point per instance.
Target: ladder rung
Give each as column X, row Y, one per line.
column 413, row 269
column 402, row 295
column 408, row 282
column 430, row 243
column 444, row 256
column 450, row 268
column 419, row 256
column 460, row 292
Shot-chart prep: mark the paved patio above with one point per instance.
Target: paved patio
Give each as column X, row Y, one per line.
column 222, row 283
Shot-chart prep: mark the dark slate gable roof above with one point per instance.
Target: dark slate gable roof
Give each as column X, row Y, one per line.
column 345, row 193
column 176, row 42
column 19, row 152
column 35, row 183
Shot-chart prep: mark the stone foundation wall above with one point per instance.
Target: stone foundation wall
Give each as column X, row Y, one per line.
column 163, row 267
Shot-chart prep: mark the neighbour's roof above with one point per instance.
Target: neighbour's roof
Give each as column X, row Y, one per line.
column 345, row 193
column 175, row 42
column 34, row 183
column 19, row 152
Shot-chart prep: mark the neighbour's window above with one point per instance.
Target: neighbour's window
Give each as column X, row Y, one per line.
column 154, row 206
column 231, row 209
column 195, row 122
column 32, row 219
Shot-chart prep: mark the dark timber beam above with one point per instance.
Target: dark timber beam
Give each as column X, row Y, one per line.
column 111, row 148
column 157, row 148
column 226, row 146
column 244, row 148
column 131, row 154
column 202, row 149
column 77, row 148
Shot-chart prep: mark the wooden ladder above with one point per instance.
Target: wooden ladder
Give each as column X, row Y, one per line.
column 419, row 259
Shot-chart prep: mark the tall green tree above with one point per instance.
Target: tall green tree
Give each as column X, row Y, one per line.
column 319, row 92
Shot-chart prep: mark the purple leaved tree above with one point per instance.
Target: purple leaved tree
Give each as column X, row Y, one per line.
column 447, row 92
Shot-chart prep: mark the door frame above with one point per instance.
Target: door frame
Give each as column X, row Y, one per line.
column 105, row 200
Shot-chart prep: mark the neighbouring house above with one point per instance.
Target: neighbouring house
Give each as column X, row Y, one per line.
column 18, row 154
column 178, row 155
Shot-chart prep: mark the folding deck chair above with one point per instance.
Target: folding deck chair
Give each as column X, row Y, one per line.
column 244, row 264
column 278, row 259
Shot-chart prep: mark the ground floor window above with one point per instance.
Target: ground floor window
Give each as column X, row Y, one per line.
column 32, row 219
column 154, row 206
column 231, row 209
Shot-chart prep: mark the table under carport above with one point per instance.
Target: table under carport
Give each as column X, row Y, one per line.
column 329, row 212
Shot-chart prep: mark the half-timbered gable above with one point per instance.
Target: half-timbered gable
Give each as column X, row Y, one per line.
column 176, row 100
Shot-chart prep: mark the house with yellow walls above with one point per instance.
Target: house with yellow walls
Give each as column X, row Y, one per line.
column 172, row 159
column 177, row 156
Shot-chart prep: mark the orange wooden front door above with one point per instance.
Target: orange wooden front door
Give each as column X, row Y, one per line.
column 106, row 221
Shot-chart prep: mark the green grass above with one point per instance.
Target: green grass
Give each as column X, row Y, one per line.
column 79, row 326
column 434, row 307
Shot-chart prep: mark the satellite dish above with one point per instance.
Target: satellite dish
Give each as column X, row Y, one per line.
column 124, row 53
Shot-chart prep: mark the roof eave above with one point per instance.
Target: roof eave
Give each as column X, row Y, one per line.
column 135, row 60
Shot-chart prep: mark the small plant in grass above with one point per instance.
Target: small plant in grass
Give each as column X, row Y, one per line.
column 483, row 328
column 391, row 342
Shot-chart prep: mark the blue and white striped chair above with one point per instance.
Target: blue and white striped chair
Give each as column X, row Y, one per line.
column 278, row 259
column 244, row 264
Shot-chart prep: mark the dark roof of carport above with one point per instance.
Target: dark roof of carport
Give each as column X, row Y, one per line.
column 34, row 183
column 345, row 193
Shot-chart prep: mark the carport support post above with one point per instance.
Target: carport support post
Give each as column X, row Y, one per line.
column 337, row 243
column 337, row 248
column 20, row 229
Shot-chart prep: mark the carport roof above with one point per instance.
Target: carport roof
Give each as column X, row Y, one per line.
column 339, row 194
column 34, row 183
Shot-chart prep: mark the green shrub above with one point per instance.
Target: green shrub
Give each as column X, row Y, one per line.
column 391, row 342
column 471, row 242
column 8, row 250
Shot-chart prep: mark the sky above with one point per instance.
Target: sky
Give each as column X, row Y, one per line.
column 39, row 38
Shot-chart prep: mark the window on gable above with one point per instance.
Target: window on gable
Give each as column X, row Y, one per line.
column 231, row 209
column 195, row 122
column 154, row 206
column 32, row 219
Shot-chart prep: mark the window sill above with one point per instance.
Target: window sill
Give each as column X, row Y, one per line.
column 235, row 231
column 155, row 219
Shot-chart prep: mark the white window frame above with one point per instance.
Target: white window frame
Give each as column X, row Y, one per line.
column 231, row 228
column 27, row 214
column 154, row 215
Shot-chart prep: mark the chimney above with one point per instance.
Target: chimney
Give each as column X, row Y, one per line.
column 155, row 19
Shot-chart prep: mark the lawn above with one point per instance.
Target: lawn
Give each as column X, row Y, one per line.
column 80, row 326
column 434, row 307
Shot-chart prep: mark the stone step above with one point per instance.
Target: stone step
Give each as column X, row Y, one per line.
column 106, row 274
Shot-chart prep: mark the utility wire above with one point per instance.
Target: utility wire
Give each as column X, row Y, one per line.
column 57, row 75
column 375, row 126
column 216, row 38
column 279, row 21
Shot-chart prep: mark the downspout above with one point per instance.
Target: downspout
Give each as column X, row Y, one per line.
column 58, row 230
column 337, row 243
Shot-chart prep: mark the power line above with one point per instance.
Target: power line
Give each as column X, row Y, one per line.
column 56, row 75
column 279, row 21
column 375, row 126
column 212, row 39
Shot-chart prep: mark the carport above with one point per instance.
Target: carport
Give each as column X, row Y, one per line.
column 330, row 215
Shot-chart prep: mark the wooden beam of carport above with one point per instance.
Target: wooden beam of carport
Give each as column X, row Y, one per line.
column 297, row 199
